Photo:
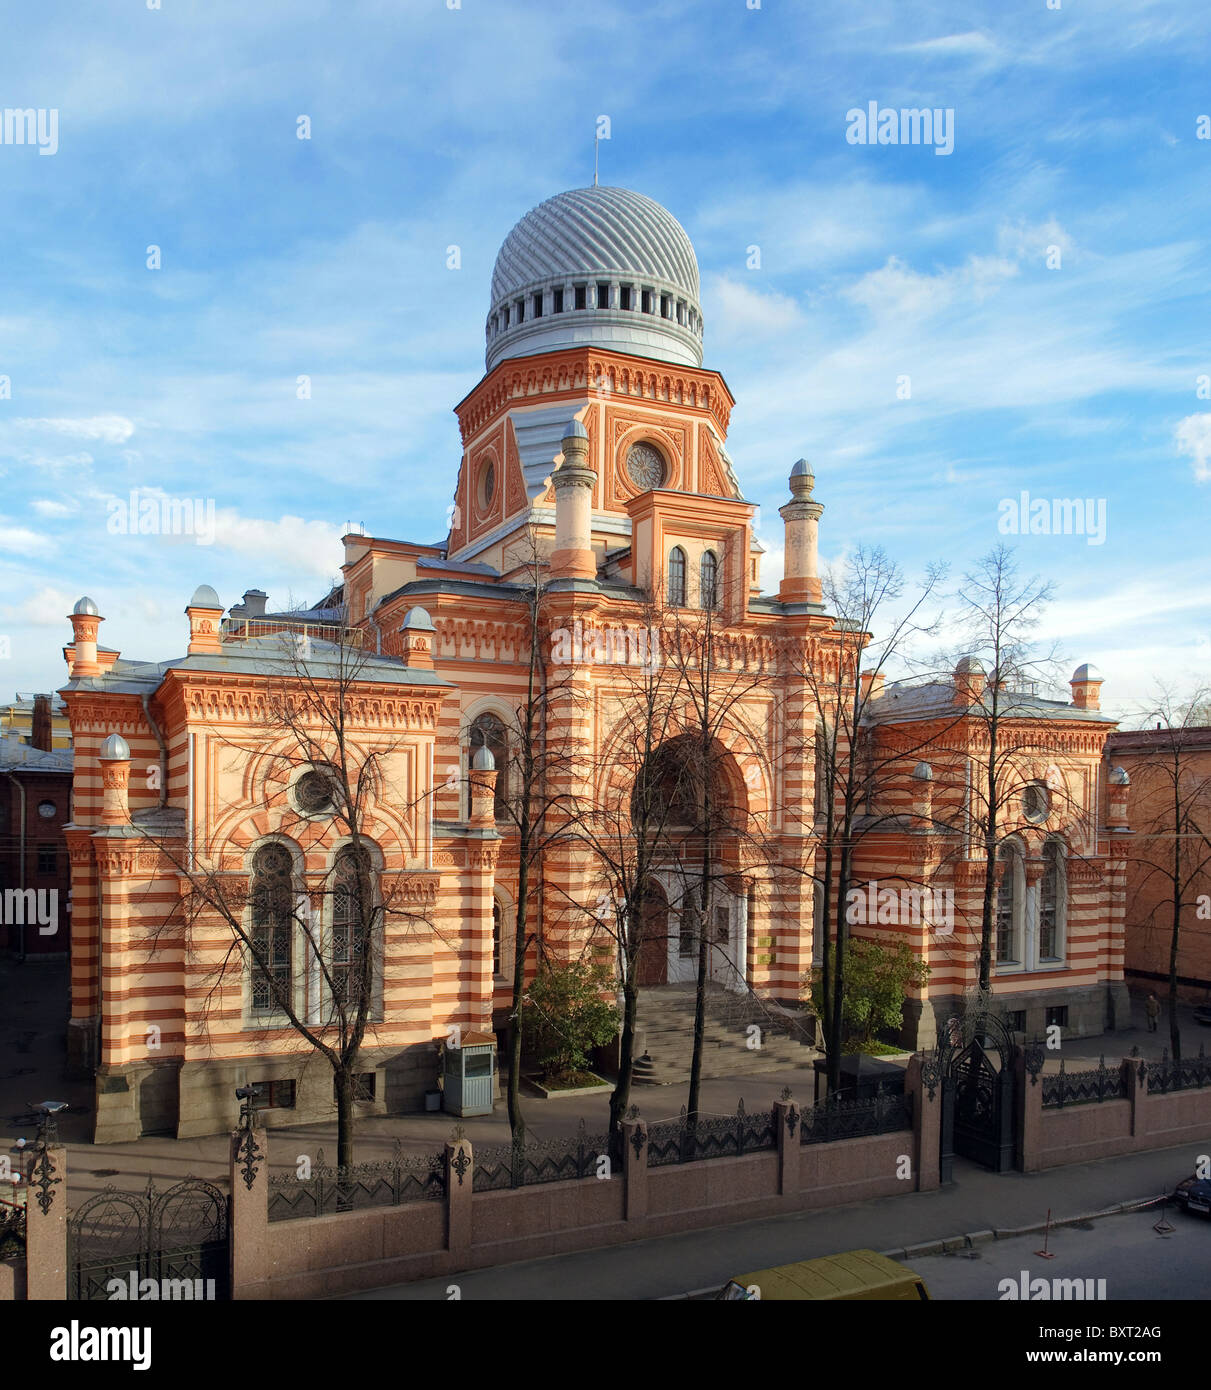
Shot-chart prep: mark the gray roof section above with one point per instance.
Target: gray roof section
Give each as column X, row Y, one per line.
column 935, row 700
column 271, row 655
column 539, row 436
column 16, row 756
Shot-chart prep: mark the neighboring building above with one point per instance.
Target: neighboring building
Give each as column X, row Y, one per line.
column 1057, row 946
column 597, row 431
column 1152, row 758
column 35, row 875
column 17, row 721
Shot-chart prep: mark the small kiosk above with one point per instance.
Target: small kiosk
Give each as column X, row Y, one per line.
column 469, row 1075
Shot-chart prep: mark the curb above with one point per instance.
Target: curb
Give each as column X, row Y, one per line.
column 949, row 1244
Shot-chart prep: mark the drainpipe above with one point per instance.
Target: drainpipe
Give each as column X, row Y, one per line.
column 155, row 728
column 21, row 925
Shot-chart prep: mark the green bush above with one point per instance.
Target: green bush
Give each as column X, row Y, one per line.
column 877, row 978
column 564, row 1017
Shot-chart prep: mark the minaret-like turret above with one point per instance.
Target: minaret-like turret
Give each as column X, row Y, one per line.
column 573, row 480
column 801, row 579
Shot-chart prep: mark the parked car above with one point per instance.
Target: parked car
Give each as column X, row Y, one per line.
column 860, row 1274
column 1202, row 1015
column 1194, row 1194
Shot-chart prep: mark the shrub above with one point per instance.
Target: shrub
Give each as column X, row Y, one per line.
column 564, row 1016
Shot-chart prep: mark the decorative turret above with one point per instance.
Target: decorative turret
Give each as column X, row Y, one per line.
column 205, row 612
column 86, row 621
column 114, row 756
column 1116, row 797
column 801, row 581
column 1086, row 685
column 969, row 681
column 922, row 794
column 483, row 777
column 416, row 639
column 573, row 480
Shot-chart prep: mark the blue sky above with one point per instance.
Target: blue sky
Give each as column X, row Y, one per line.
column 1074, row 128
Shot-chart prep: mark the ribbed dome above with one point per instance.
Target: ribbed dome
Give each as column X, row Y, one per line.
column 562, row 250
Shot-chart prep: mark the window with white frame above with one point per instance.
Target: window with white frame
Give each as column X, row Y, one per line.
column 272, row 927
column 1009, row 905
column 1051, row 902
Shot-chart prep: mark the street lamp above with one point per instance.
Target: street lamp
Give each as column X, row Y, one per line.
column 48, row 1129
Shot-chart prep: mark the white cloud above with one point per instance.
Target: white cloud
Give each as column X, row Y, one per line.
column 740, row 310
column 973, row 44
column 48, row 507
column 1193, row 439
column 20, row 540
column 109, row 429
column 46, row 608
column 309, row 547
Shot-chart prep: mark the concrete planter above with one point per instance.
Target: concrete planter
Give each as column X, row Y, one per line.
column 569, row 1091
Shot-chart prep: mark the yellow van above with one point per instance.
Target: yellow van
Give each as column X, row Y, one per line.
column 861, row 1274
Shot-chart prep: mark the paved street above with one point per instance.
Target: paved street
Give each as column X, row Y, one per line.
column 977, row 1200
column 1135, row 1261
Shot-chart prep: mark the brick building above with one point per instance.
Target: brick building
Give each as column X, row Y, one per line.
column 598, row 441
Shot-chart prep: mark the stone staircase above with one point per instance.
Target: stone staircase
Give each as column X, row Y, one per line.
column 666, row 1035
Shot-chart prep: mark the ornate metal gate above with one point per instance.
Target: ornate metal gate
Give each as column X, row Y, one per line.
column 177, row 1239
column 974, row 1063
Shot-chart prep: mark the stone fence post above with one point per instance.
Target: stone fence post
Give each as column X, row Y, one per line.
column 926, row 1124
column 1028, row 1111
column 460, row 1170
column 1135, row 1074
column 248, row 1229
column 635, row 1167
column 786, row 1127
column 46, row 1222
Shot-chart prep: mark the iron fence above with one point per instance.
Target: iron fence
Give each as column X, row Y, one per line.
column 1084, row 1087
column 391, row 1183
column 552, row 1160
column 711, row 1136
column 12, row 1230
column 886, row 1112
column 1190, row 1074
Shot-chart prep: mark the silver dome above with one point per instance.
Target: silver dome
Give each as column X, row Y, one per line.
column 582, row 238
column 86, row 606
column 1087, row 672
column 115, row 749
column 205, row 597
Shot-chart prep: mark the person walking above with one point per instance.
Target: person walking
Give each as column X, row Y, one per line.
column 1153, row 1009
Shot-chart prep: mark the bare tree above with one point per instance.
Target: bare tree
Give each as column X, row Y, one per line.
column 622, row 825
column 1171, row 818
column 315, row 746
column 715, row 684
column 852, row 771
column 539, row 772
column 999, row 612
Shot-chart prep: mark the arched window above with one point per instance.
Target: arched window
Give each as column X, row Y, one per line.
column 677, row 577
column 1009, row 902
column 1051, row 897
column 488, row 731
column 350, row 931
column 271, row 927
column 708, row 582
